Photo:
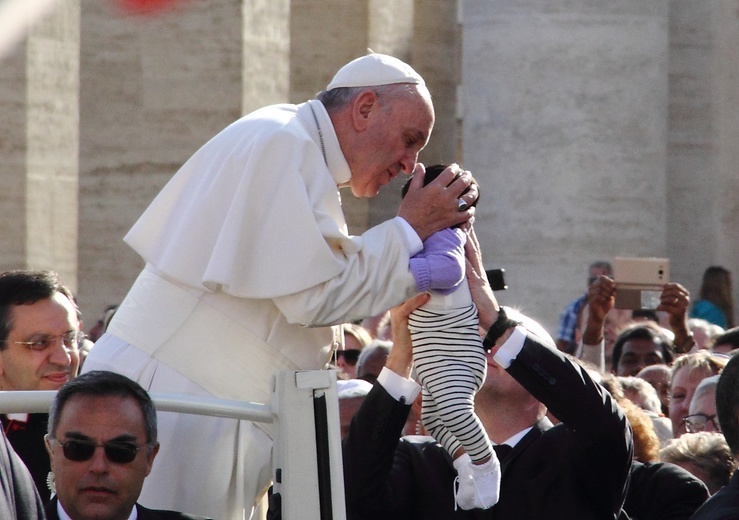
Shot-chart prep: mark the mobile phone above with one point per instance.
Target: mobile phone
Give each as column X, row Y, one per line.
column 496, row 279
column 639, row 281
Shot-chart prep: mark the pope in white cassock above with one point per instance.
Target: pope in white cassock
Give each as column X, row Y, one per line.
column 249, row 263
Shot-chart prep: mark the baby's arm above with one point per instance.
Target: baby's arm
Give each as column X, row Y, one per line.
column 440, row 265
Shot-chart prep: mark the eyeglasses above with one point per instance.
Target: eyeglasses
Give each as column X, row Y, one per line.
column 697, row 422
column 119, row 452
column 71, row 340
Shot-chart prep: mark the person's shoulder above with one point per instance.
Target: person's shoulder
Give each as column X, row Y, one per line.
column 262, row 123
column 651, row 481
column 724, row 505
column 574, row 305
column 664, row 472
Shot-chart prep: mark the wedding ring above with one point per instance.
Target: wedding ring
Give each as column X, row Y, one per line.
column 462, row 205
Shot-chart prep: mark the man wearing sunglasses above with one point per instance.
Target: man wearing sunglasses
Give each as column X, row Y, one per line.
column 102, row 442
column 39, row 350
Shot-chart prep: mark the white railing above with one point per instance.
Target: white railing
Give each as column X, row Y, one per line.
column 306, row 459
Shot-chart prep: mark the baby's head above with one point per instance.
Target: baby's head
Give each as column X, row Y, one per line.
column 433, row 172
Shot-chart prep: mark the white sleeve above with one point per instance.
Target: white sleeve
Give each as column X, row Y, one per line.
column 512, row 346
column 416, row 245
column 595, row 354
column 375, row 277
column 400, row 388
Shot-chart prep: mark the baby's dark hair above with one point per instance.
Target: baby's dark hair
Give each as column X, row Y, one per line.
column 433, row 172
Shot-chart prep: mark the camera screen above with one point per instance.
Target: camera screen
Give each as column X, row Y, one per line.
column 650, row 299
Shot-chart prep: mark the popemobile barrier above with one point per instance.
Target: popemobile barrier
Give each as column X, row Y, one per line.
column 306, row 456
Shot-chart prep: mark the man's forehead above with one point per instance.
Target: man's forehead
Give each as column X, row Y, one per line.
column 36, row 313
column 641, row 345
column 121, row 410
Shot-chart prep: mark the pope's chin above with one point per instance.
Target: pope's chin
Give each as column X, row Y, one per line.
column 364, row 191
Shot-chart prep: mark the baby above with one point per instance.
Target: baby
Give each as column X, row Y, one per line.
column 450, row 363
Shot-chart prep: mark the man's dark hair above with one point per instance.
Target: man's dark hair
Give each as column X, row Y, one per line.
column 102, row 383
column 642, row 330
column 730, row 337
column 25, row 288
column 727, row 403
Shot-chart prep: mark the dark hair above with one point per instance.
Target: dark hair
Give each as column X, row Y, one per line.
column 716, row 288
column 645, row 314
column 730, row 337
column 433, row 172
column 642, row 330
column 24, row 288
column 727, row 403
column 102, row 383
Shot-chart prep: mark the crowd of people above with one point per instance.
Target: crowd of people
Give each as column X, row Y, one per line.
column 452, row 406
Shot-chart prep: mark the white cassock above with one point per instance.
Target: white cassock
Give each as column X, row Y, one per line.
column 248, row 263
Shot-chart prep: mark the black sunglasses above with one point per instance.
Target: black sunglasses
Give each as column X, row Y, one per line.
column 351, row 355
column 119, row 452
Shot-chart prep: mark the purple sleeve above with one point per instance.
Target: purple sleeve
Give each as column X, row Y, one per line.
column 440, row 265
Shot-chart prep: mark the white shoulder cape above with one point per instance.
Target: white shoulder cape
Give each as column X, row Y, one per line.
column 256, row 211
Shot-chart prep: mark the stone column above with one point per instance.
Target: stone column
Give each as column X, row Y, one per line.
column 437, row 57
column 726, row 73
column 703, row 213
column 39, row 84
column 564, row 125
column 155, row 89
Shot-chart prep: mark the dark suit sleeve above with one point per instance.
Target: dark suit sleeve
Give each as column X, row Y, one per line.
column 724, row 505
column 663, row 491
column 20, row 499
column 599, row 437
column 369, row 451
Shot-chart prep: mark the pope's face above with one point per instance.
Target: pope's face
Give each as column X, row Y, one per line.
column 397, row 129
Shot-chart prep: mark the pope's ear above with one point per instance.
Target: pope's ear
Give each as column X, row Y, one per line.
column 362, row 109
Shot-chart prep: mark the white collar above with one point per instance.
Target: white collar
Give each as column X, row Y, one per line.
column 336, row 162
column 514, row 439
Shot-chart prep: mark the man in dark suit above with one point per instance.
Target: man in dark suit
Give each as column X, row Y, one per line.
column 577, row 469
column 102, row 442
column 39, row 350
column 725, row 503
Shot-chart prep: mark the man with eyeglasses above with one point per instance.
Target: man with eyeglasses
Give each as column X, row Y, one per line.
column 702, row 412
column 102, row 441
column 39, row 350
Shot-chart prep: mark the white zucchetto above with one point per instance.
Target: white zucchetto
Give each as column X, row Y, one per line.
column 373, row 70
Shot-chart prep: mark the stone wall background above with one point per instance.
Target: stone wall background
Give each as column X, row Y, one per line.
column 596, row 128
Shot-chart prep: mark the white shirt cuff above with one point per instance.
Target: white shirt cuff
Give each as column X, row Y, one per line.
column 414, row 241
column 400, row 388
column 512, row 346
